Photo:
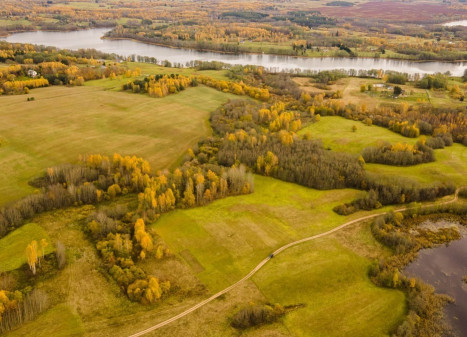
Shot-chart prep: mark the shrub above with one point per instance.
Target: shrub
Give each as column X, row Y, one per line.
column 255, row 315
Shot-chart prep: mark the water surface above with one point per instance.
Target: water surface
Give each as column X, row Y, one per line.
column 444, row 267
column 456, row 23
column 92, row 39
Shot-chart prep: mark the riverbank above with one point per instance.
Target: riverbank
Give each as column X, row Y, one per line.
column 247, row 52
column 92, row 39
column 75, row 29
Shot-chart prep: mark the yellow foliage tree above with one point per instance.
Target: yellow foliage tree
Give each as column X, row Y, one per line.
column 31, row 253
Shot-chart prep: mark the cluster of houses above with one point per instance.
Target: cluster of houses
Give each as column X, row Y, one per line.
column 387, row 87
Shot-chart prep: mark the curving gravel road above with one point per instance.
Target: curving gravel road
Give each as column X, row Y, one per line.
column 262, row 263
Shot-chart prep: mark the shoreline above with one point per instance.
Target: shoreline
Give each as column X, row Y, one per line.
column 8, row 33
column 276, row 54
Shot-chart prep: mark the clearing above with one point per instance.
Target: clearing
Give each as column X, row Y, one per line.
column 337, row 134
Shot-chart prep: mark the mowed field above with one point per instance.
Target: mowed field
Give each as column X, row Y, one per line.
column 63, row 123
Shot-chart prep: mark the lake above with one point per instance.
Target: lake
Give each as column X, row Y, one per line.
column 444, row 267
column 456, row 23
column 92, row 39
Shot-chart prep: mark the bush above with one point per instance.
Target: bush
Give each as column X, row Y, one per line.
column 463, row 192
column 60, row 253
column 395, row 78
column 437, row 81
column 255, row 315
column 397, row 91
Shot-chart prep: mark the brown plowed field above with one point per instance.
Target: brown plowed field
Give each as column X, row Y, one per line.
column 394, row 11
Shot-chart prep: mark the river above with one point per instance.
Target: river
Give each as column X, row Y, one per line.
column 92, row 39
column 444, row 267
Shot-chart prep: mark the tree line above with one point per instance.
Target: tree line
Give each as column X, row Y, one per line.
column 161, row 85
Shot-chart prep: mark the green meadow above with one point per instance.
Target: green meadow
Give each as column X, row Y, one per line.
column 337, row 134
column 13, row 246
column 230, row 236
column 326, row 278
column 58, row 321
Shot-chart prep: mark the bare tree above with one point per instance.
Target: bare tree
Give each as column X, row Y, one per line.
column 61, row 256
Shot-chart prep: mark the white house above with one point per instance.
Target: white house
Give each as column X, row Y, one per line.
column 32, row 73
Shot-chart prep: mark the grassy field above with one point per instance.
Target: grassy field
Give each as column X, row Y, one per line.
column 213, row 246
column 241, row 231
column 149, row 69
column 450, row 166
column 336, row 133
column 229, row 237
column 350, row 87
column 59, row 321
column 13, row 246
column 331, row 280
column 218, row 244
column 63, row 123
column 4, row 22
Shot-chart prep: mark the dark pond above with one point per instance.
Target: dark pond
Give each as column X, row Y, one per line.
column 444, row 267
